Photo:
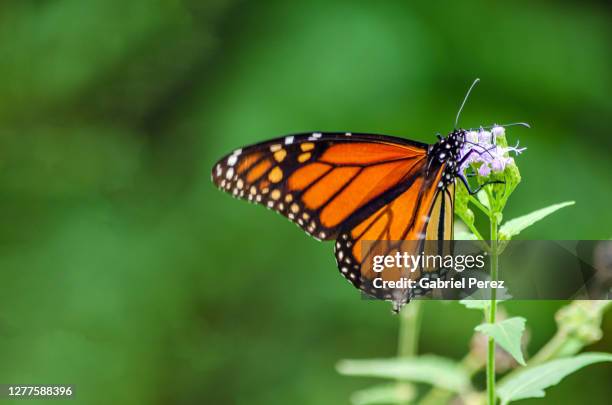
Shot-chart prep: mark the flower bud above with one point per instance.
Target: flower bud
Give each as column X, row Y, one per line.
column 498, row 131
column 484, row 170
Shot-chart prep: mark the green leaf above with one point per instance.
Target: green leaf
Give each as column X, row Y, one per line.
column 483, row 198
column 384, row 394
column 532, row 382
column 434, row 370
column 515, row 226
column 507, row 334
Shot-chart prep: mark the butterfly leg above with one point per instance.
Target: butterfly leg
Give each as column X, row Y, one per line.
column 464, row 179
column 478, row 152
column 477, row 189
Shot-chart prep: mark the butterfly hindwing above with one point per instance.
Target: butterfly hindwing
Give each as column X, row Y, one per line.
column 421, row 212
column 322, row 181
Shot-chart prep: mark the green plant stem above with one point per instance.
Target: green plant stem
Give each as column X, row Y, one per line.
column 474, row 231
column 492, row 312
column 480, row 206
column 410, row 323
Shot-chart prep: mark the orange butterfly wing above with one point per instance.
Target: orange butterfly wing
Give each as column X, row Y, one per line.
column 353, row 188
column 421, row 212
column 322, row 182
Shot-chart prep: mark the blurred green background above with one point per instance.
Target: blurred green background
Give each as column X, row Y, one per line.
column 129, row 275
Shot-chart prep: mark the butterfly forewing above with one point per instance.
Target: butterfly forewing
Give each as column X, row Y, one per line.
column 321, row 181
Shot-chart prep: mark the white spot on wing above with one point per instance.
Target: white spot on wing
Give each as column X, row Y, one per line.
column 289, row 140
column 231, row 161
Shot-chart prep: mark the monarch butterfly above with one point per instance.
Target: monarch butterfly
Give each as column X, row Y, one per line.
column 354, row 187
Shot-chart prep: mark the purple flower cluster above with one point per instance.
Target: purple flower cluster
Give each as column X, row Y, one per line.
column 482, row 148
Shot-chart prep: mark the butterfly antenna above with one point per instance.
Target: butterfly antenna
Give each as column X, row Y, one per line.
column 464, row 100
column 514, row 124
